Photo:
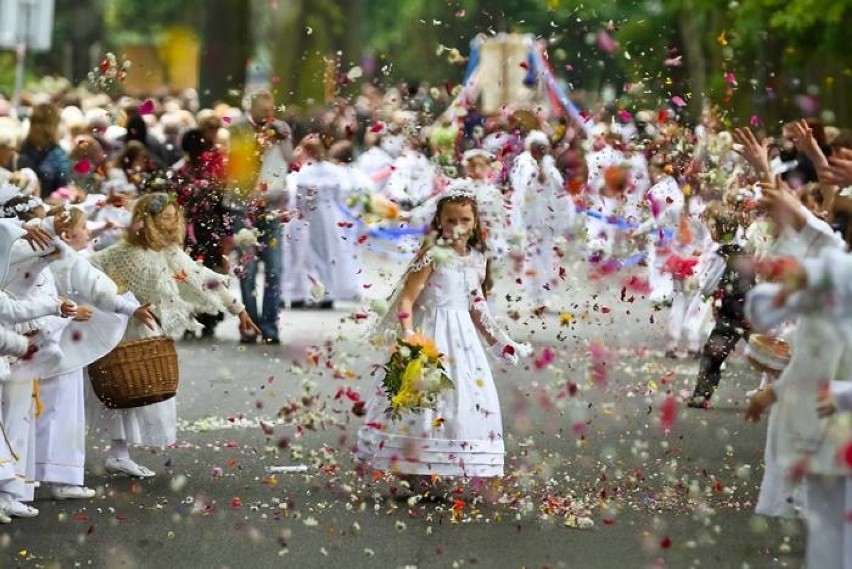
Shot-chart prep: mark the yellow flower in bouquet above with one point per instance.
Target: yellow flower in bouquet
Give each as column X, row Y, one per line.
column 427, row 346
column 383, row 207
column 414, row 376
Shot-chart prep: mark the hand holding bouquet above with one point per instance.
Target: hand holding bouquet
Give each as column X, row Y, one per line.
column 414, row 376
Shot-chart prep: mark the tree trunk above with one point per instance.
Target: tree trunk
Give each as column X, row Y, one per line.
column 696, row 61
column 86, row 29
column 225, row 48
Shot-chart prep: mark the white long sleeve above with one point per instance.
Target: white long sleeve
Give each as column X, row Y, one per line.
column 841, row 391
column 12, row 344
column 273, row 174
column 18, row 311
column 77, row 279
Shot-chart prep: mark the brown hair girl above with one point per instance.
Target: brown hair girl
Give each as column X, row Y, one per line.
column 157, row 223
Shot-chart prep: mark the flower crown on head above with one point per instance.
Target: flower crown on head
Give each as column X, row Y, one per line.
column 158, row 204
column 14, row 210
column 458, row 191
column 65, row 214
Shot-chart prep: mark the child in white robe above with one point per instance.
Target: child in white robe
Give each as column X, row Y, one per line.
column 29, row 278
column 61, row 425
column 319, row 193
column 15, row 450
column 813, row 436
column 800, row 235
column 666, row 204
column 150, row 262
column 543, row 211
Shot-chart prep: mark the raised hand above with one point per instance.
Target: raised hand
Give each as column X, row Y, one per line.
column 803, row 137
column 838, row 172
column 754, row 152
column 783, row 207
column 37, row 237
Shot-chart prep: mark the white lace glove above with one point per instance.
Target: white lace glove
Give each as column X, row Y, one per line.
column 510, row 352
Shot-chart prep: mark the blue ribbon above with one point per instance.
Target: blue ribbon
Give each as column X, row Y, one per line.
column 566, row 103
column 472, row 61
column 387, row 234
column 620, row 223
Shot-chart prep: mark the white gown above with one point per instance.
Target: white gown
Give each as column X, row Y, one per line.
column 295, row 248
column 319, row 193
column 463, row 436
column 775, row 490
column 545, row 212
column 667, row 204
column 61, row 427
column 412, row 178
column 822, row 355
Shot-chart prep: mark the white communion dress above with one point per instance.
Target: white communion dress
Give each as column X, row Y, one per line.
column 463, row 435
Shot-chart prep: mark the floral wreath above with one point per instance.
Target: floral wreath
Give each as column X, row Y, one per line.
column 159, row 203
column 14, row 210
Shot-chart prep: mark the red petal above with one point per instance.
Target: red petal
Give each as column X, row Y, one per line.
column 83, row 166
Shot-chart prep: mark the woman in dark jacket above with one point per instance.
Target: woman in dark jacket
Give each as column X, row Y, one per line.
column 41, row 151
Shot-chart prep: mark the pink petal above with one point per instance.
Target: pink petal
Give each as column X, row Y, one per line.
column 606, row 43
column 730, row 78
column 755, row 121
column 147, row 107
column 226, row 120
column 678, row 101
column 624, row 116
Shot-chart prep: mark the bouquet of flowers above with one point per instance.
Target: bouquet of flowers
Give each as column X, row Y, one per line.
column 109, row 71
column 414, row 376
column 372, row 206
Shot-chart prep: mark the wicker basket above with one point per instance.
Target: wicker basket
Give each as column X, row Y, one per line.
column 136, row 373
column 768, row 354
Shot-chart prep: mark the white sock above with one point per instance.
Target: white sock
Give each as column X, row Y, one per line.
column 118, row 449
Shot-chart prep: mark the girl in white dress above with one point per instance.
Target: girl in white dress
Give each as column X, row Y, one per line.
column 151, row 263
column 494, row 211
column 441, row 297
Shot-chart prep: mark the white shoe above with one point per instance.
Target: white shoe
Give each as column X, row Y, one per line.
column 751, row 393
column 127, row 467
column 18, row 509
column 71, row 492
column 4, row 518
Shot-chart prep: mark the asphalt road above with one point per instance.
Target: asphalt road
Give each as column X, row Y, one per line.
column 576, row 449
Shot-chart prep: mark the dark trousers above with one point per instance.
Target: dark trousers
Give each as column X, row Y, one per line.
column 268, row 252
column 206, row 244
column 723, row 339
